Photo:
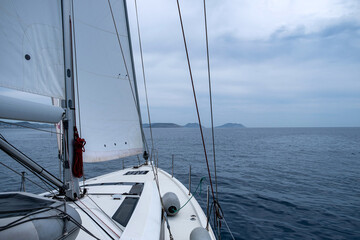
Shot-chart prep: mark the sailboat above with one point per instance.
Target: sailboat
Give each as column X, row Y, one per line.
column 79, row 54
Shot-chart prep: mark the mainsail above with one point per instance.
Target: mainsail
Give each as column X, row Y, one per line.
column 31, row 47
column 107, row 106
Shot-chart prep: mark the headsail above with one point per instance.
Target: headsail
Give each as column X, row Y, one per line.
column 31, row 47
column 108, row 116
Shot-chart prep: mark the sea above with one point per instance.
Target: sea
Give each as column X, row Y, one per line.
column 273, row 183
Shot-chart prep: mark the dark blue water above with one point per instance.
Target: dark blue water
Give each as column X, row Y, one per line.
column 274, row 183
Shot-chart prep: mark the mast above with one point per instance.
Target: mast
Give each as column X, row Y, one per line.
column 71, row 182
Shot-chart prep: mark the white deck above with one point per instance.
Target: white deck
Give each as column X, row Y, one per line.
column 146, row 220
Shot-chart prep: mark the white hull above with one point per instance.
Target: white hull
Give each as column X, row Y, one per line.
column 106, row 193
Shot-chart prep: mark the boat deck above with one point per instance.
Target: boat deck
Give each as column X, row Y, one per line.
column 126, row 204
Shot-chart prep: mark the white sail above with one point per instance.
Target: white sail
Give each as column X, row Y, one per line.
column 31, row 47
column 107, row 117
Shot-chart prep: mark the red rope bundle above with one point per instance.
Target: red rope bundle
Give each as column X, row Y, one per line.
column 79, row 144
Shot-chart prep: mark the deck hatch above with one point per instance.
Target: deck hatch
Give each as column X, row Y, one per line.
column 137, row 189
column 126, row 209
column 136, row 172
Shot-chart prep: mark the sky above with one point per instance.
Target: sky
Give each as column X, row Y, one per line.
column 274, row 63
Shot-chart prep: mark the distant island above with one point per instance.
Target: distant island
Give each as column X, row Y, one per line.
column 4, row 124
column 190, row 125
column 161, row 125
column 231, row 125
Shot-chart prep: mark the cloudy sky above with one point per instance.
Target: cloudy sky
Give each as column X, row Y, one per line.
column 274, row 63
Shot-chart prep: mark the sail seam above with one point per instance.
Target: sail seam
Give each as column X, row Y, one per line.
column 101, row 29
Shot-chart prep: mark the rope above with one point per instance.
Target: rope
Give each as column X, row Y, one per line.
column 217, row 209
column 99, row 219
column 217, row 204
column 196, row 105
column 37, row 129
column 32, row 171
column 65, row 215
column 79, row 148
column 192, row 195
column 112, row 220
column 210, row 97
column 228, row 228
column 93, row 220
column 143, row 71
column 76, row 72
column 161, row 200
column 127, row 72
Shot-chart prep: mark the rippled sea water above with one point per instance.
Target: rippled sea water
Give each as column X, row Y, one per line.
column 273, row 183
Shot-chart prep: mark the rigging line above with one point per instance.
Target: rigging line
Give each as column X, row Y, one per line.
column 76, row 222
column 31, row 219
column 229, row 229
column 37, row 129
column 48, row 185
column 99, row 219
column 128, row 75
column 23, row 219
column 161, row 200
column 210, row 96
column 208, row 218
column 143, row 71
column 25, row 176
column 196, row 105
column 75, row 61
column 93, row 220
column 193, row 194
column 111, row 220
column 38, row 210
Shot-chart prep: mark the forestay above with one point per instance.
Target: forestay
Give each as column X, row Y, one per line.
column 107, row 116
column 31, row 47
